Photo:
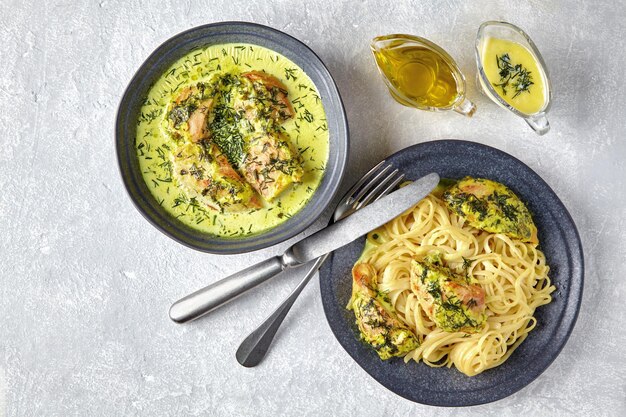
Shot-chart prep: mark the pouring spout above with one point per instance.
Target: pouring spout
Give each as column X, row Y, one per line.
column 380, row 43
column 465, row 107
column 539, row 123
column 375, row 44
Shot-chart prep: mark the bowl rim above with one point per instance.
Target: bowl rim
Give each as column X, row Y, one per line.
column 242, row 246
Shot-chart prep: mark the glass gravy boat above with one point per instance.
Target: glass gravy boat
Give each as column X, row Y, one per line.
column 420, row 74
column 509, row 32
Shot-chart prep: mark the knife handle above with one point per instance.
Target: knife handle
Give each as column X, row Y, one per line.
column 220, row 292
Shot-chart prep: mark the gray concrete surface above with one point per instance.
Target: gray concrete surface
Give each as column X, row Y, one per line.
column 85, row 281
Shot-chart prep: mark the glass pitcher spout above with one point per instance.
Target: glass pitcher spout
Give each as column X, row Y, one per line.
column 382, row 42
column 465, row 107
column 539, row 123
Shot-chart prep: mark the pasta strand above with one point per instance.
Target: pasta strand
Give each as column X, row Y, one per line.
column 513, row 274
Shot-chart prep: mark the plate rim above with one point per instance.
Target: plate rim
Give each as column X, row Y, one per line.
column 577, row 288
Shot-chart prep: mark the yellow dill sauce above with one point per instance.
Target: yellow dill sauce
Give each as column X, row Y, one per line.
column 420, row 74
column 307, row 131
column 514, row 74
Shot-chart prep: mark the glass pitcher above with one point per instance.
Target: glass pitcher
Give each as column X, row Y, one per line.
column 420, row 74
column 537, row 120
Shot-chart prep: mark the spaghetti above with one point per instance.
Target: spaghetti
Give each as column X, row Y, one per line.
column 512, row 273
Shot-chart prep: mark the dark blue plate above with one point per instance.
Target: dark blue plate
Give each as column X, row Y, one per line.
column 559, row 241
column 214, row 34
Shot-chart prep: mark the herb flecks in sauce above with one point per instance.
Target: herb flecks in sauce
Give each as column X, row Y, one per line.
column 377, row 320
column 491, row 206
column 515, row 76
column 453, row 301
column 244, row 117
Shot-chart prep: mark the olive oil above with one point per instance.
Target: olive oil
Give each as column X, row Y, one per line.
column 420, row 74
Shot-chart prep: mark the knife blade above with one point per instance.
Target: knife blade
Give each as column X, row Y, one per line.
column 320, row 243
column 361, row 222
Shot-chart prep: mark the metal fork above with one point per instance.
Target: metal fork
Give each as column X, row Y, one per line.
column 377, row 183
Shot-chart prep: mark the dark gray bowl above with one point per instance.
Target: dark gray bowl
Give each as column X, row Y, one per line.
column 555, row 321
column 156, row 65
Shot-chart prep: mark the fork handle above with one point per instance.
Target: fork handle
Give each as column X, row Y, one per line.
column 254, row 348
column 220, row 292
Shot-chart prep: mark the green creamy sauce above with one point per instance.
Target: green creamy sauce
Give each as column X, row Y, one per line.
column 308, row 132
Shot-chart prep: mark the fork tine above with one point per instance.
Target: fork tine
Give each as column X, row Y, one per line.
column 375, row 190
column 382, row 189
column 364, row 178
column 371, row 182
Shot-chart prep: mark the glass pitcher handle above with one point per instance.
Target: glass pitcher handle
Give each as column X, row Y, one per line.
column 465, row 107
column 539, row 123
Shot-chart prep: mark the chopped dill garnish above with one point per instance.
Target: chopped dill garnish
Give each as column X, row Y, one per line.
column 467, row 262
column 250, row 134
column 307, row 116
column 322, row 127
column 290, row 74
column 515, row 76
column 150, row 116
